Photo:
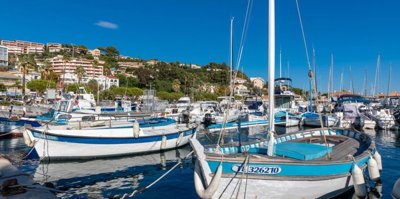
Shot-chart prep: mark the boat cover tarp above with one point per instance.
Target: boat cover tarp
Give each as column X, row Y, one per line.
column 299, row 151
column 350, row 111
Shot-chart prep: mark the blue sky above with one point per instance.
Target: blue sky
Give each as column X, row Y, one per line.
column 197, row 31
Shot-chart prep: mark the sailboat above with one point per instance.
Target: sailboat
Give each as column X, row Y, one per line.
column 305, row 164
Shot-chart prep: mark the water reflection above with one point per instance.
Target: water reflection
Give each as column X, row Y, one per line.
column 104, row 177
column 108, row 178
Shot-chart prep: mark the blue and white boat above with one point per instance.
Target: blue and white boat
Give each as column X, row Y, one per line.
column 314, row 120
column 287, row 119
column 300, row 164
column 93, row 140
column 305, row 164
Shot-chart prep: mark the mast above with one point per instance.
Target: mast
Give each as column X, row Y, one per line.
column 365, row 83
column 351, row 81
column 341, row 81
column 231, row 58
column 330, row 77
column 315, row 87
column 271, row 62
column 377, row 75
column 280, row 63
column 388, row 87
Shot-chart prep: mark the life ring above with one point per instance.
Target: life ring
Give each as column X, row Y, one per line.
column 284, row 88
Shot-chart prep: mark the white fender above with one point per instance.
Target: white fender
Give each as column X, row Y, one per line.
column 271, row 143
column 27, row 139
column 163, row 142
column 378, row 159
column 198, row 184
column 358, row 181
column 179, row 139
column 396, row 190
column 136, row 129
column 373, row 169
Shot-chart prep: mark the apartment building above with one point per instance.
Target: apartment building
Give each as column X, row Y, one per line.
column 3, row 56
column 62, row 66
column 105, row 82
column 22, row 47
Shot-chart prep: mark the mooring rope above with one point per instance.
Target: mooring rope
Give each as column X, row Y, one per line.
column 136, row 191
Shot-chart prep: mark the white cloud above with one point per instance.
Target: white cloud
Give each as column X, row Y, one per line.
column 106, row 24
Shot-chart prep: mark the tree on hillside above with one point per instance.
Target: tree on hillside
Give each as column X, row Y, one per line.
column 112, row 51
column 93, row 87
column 176, row 85
column 26, row 62
column 79, row 73
column 40, row 85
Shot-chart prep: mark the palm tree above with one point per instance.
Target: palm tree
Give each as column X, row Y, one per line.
column 80, row 72
column 46, row 70
column 25, row 63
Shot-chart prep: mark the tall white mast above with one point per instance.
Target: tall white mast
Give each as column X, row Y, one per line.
column 341, row 81
column 377, row 75
column 330, row 77
column 271, row 62
column 351, row 81
column 280, row 63
column 231, row 59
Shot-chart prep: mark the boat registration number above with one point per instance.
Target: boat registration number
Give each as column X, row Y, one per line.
column 257, row 169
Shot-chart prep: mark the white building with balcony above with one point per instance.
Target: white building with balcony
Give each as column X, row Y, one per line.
column 258, row 82
column 3, row 56
column 22, row 47
column 62, row 66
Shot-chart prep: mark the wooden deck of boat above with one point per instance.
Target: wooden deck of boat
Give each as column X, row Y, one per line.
column 345, row 148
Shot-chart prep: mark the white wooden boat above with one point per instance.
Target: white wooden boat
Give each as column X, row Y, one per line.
column 306, row 175
column 305, row 164
column 76, row 142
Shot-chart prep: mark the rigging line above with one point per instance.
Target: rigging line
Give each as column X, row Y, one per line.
column 244, row 31
column 303, row 34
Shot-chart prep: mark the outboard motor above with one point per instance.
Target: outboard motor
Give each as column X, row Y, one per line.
column 396, row 115
column 207, row 119
column 359, row 123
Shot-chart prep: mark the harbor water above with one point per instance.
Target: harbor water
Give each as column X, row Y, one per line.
column 114, row 177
